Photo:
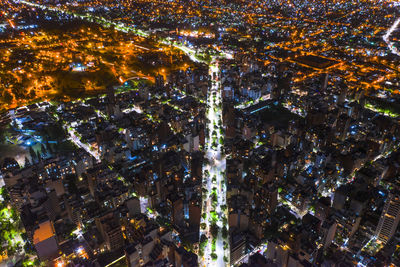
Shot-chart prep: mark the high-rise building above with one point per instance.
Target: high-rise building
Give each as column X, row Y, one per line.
column 238, row 247
column 111, row 95
column 45, row 241
column 327, row 232
column 133, row 205
column 194, row 213
column 389, row 220
column 324, row 81
column 111, row 101
column 176, row 204
column 160, row 81
column 110, row 229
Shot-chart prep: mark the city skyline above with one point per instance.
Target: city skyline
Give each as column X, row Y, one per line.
column 199, row 133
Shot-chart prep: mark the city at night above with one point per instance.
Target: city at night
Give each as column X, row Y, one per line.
column 197, row 133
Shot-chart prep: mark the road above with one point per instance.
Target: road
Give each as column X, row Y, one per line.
column 214, row 177
column 386, row 37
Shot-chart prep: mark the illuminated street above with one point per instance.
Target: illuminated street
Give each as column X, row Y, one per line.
column 217, row 248
column 387, row 37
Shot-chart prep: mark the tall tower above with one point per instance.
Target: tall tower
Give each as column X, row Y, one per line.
column 111, row 100
column 389, row 220
column 111, row 94
column 324, row 81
